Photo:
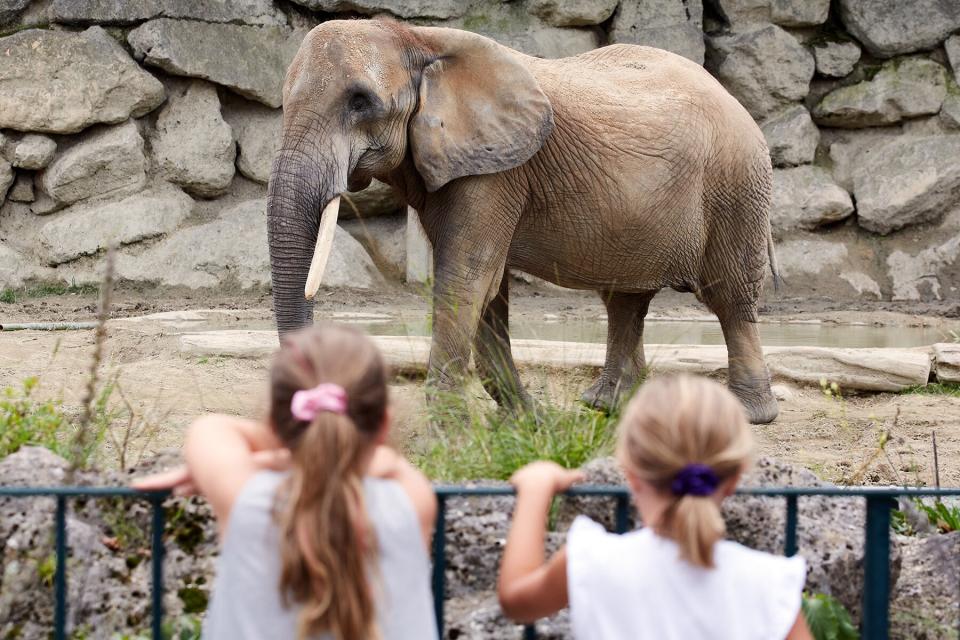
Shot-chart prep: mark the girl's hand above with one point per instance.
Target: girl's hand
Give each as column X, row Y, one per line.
column 545, row 476
column 179, row 480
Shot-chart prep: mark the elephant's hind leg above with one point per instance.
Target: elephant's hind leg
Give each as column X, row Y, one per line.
column 625, row 361
column 494, row 358
column 747, row 374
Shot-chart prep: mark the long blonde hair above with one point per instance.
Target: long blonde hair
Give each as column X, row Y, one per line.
column 674, row 422
column 327, row 544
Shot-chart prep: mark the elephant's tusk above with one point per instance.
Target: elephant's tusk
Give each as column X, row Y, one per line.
column 328, row 226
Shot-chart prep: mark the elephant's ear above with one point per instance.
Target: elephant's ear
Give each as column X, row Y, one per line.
column 481, row 111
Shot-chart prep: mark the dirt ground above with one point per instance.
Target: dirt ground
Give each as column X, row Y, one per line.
column 837, row 439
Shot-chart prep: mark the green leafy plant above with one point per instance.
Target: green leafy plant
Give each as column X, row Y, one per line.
column 935, row 389
column 827, row 618
column 25, row 421
column 944, row 518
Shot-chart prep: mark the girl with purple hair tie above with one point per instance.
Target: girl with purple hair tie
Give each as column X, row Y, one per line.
column 683, row 444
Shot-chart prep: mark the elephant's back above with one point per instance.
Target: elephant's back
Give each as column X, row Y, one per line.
column 646, row 84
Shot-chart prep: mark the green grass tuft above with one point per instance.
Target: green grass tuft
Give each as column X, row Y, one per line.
column 46, row 289
column 936, row 389
column 469, row 443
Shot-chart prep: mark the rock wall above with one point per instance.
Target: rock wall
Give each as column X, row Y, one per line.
column 152, row 123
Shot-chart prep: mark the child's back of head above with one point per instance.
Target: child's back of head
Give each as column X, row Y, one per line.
column 686, row 436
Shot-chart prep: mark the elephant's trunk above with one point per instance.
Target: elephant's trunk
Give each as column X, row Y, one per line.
column 298, row 188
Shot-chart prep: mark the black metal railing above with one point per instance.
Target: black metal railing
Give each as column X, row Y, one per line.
column 876, row 561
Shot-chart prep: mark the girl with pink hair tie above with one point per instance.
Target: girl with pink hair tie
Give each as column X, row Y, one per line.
column 324, row 529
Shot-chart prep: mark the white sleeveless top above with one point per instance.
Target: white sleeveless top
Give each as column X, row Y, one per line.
column 247, row 604
column 635, row 586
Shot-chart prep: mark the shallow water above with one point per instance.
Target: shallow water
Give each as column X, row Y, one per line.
column 702, row 332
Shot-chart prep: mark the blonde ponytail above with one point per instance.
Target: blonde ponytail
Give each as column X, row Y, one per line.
column 686, row 436
column 327, row 545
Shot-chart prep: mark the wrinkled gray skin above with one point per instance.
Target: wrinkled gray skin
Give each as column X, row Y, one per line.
column 623, row 170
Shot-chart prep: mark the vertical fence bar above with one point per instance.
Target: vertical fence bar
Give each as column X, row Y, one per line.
column 60, row 577
column 156, row 566
column 439, row 561
column 790, row 535
column 622, row 513
column 876, row 569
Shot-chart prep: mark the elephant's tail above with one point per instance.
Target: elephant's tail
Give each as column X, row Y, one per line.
column 772, row 257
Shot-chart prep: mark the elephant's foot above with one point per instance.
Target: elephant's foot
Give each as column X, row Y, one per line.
column 605, row 394
column 758, row 401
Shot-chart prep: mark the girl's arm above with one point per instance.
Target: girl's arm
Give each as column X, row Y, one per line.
column 800, row 630
column 222, row 452
column 529, row 587
column 389, row 464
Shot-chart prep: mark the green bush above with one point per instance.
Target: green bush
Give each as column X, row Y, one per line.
column 28, row 422
column 827, row 618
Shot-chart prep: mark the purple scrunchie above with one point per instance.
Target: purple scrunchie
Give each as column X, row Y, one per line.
column 695, row 480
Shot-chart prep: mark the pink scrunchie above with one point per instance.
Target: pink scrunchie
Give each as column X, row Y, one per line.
column 307, row 403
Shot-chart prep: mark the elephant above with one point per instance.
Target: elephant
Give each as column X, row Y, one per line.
column 624, row 170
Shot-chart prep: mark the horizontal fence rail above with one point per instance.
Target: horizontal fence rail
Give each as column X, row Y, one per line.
column 879, row 503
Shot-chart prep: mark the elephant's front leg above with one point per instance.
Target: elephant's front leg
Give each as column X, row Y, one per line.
column 494, row 357
column 471, row 242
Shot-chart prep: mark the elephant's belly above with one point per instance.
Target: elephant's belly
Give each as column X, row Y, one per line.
column 606, row 263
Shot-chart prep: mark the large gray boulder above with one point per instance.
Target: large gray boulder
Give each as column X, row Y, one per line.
column 192, row 145
column 232, row 250
column 249, row 60
column 918, row 276
column 674, row 25
column 807, row 198
column 764, row 67
column 62, row 82
column 836, row 59
column 260, row 12
column 893, row 27
column 847, row 147
column 906, row 180
column 258, row 131
column 791, row 136
column 103, row 162
column 573, row 13
column 440, row 9
column 787, row 13
column 31, row 151
column 901, row 89
column 85, row 229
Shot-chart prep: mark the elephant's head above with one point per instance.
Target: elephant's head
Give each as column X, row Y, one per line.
column 359, row 98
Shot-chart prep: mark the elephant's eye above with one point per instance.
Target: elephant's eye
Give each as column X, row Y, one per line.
column 358, row 102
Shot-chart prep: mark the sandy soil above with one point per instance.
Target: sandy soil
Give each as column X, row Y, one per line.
column 839, row 440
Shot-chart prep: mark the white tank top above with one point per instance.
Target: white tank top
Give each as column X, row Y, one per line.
column 636, row 587
column 247, row 604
